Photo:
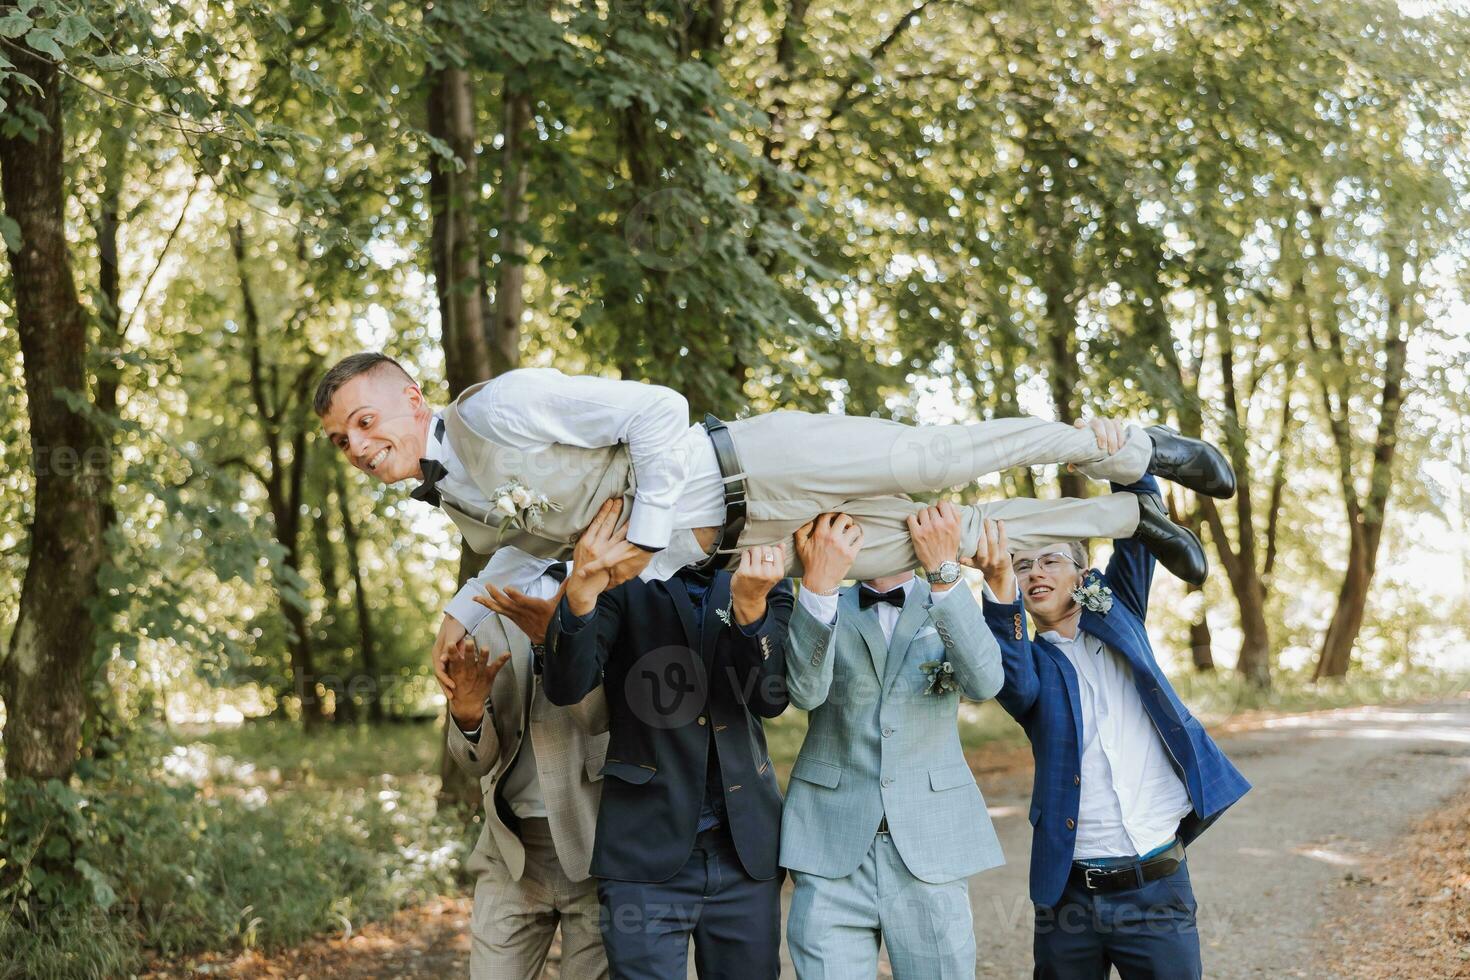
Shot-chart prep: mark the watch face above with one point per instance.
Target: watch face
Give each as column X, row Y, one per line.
column 948, row 573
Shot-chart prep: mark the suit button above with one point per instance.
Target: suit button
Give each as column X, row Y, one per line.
column 1071, row 824
column 1077, row 780
column 701, row 719
column 887, row 732
column 887, row 780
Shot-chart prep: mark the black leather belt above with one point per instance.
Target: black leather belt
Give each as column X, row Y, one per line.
column 734, row 478
column 883, row 824
column 1129, row 876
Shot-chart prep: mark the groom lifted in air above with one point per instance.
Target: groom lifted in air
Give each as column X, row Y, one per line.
column 527, row 458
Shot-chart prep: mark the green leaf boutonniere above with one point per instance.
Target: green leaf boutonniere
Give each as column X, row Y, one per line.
column 941, row 677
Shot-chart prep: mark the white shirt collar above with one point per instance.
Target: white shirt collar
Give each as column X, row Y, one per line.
column 436, row 448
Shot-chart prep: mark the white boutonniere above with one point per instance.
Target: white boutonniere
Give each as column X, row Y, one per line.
column 941, row 677
column 1093, row 595
column 724, row 614
column 520, row 506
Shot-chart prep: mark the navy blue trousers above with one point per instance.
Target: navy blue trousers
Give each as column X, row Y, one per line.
column 735, row 920
column 1148, row 933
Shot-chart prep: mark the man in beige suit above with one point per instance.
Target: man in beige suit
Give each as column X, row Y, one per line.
column 527, row 458
column 539, row 767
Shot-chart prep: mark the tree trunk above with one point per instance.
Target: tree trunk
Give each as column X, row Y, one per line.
column 1254, row 660
column 453, row 191
column 1201, row 643
column 460, row 287
column 50, row 655
column 510, row 282
column 1347, row 618
column 283, row 483
column 367, row 647
column 1366, row 520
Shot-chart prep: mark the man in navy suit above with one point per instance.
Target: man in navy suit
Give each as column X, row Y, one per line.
column 1125, row 778
column 689, row 828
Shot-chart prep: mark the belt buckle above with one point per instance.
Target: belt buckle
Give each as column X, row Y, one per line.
column 1087, row 874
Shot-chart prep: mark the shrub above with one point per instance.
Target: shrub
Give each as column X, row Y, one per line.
column 139, row 857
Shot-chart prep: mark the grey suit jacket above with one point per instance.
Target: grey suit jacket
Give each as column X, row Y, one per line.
column 570, row 745
column 878, row 743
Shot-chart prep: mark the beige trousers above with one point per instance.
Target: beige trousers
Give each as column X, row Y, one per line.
column 799, row 465
column 514, row 922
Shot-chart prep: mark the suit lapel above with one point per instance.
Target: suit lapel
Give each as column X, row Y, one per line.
column 909, row 620
column 1099, row 627
column 1069, row 681
column 866, row 621
column 680, row 597
column 716, row 598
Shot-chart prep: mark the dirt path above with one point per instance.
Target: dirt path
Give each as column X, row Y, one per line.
column 1332, row 790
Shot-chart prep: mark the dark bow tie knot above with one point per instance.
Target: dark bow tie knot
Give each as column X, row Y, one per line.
column 428, row 491
column 867, row 597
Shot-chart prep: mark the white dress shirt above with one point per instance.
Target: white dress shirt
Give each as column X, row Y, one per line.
column 1131, row 798
column 824, row 607
column 679, row 484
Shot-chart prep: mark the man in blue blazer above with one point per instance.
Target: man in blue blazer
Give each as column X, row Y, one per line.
column 1125, row 779
column 883, row 821
column 686, row 841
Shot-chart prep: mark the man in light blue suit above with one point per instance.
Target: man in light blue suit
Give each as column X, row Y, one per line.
column 883, row 821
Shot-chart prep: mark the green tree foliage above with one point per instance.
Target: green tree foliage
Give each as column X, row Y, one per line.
column 1243, row 219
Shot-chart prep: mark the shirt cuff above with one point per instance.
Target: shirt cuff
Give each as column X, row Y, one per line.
column 990, row 596
column 823, row 608
column 935, row 598
column 464, row 608
column 473, row 735
column 650, row 525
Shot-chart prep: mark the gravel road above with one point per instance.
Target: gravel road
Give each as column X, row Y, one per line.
column 1330, row 789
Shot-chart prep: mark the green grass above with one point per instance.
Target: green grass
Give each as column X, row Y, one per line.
column 256, row 837
column 331, row 754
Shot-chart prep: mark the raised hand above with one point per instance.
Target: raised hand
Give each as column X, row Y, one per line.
column 1110, row 434
column 451, row 631
column 936, row 533
column 602, row 552
column 827, row 547
column 471, row 676
column 760, row 569
column 531, row 615
column 993, row 558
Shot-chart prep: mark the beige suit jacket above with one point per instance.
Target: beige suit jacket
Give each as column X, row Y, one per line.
column 570, row 745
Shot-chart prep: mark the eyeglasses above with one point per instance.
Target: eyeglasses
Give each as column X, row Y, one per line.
column 1050, row 564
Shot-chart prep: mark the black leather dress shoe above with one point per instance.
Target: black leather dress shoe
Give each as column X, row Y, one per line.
column 1176, row 548
column 1191, row 463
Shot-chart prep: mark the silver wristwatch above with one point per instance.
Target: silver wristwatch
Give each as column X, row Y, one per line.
column 948, row 573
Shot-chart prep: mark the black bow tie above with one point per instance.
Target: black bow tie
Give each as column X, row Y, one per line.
column 557, row 571
column 867, row 597
column 433, row 472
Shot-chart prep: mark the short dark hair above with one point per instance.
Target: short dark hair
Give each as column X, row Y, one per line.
column 345, row 370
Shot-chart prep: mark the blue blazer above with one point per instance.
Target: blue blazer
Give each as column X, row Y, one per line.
column 1040, row 692
column 672, row 687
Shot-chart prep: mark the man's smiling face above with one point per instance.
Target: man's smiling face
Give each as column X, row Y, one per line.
column 381, row 423
column 1046, row 578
